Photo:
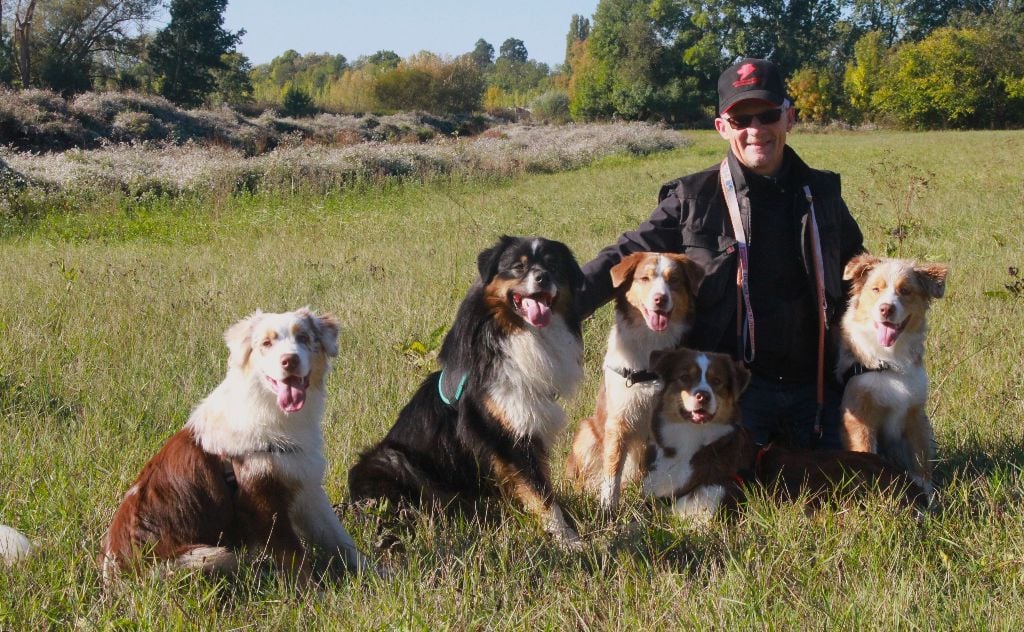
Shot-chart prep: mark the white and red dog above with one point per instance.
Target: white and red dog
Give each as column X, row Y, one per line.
column 702, row 459
column 14, row 545
column 882, row 361
column 246, row 471
column 654, row 304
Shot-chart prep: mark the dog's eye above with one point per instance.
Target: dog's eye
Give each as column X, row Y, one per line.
column 645, row 278
column 903, row 291
column 302, row 339
column 876, row 290
column 267, row 343
column 519, row 267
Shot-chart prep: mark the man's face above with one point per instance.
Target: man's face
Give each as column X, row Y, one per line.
column 759, row 145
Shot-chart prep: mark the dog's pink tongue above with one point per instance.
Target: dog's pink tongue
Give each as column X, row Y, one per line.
column 656, row 321
column 291, row 394
column 538, row 313
column 887, row 334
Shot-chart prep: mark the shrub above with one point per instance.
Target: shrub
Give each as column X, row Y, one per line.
column 551, row 107
column 297, row 103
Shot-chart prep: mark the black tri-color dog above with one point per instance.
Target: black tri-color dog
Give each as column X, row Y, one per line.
column 484, row 424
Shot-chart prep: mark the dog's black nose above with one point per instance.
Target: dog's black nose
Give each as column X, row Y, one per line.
column 541, row 277
column 290, row 361
column 702, row 397
column 660, row 300
column 885, row 310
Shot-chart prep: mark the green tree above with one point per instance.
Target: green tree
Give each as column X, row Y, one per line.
column 381, row 60
column 862, row 76
column 514, row 50
column 482, row 54
column 234, row 86
column 296, row 102
column 579, row 30
column 938, row 82
column 815, row 93
column 185, row 53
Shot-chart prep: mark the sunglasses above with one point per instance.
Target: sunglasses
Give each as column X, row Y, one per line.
column 743, row 121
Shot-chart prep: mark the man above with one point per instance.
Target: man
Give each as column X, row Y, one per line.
column 773, row 317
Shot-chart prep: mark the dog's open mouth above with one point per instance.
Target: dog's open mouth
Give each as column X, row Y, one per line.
column 535, row 308
column 657, row 320
column 697, row 416
column 887, row 333
column 291, row 392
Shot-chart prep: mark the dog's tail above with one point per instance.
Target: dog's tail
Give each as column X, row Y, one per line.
column 14, row 545
column 209, row 559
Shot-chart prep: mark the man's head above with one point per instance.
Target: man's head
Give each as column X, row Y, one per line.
column 754, row 114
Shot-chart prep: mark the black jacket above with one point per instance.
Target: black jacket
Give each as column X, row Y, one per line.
column 692, row 218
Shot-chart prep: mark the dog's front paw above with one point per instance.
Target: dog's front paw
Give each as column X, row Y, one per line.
column 609, row 495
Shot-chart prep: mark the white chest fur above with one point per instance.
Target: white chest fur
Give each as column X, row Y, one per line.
column 669, row 474
column 539, row 366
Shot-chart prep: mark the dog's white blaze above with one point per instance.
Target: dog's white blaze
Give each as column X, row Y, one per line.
column 659, row 285
column 539, row 366
column 700, row 505
column 703, row 361
column 534, row 245
column 670, row 474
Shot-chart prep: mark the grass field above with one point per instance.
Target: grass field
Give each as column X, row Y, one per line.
column 111, row 326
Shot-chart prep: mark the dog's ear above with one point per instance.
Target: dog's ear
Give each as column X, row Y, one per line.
column 328, row 328
column 741, row 374
column 666, row 362
column 933, row 276
column 623, row 270
column 238, row 338
column 859, row 266
column 571, row 268
column 325, row 327
column 693, row 270
column 487, row 261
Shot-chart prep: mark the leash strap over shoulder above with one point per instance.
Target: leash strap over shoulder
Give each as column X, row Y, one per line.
column 745, row 311
column 819, row 276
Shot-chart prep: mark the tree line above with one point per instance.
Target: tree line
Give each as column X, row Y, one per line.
column 914, row 63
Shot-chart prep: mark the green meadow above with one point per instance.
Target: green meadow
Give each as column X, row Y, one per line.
column 111, row 323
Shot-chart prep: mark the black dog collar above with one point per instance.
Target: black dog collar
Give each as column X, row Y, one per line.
column 859, row 369
column 634, row 376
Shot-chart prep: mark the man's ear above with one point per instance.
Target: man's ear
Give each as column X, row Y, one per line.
column 238, row 338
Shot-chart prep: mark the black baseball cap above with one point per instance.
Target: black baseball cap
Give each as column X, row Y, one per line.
column 750, row 78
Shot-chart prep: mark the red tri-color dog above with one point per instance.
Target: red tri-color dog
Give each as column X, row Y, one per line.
column 882, row 361
column 703, row 460
column 654, row 302
column 246, row 471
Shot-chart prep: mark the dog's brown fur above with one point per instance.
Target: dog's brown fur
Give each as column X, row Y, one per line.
column 703, row 459
column 884, row 331
column 655, row 295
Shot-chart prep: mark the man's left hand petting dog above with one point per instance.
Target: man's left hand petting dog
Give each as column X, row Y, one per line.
column 486, row 421
column 243, row 479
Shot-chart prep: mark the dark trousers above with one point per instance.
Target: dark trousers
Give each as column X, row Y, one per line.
column 785, row 413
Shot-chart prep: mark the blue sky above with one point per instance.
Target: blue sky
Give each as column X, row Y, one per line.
column 449, row 27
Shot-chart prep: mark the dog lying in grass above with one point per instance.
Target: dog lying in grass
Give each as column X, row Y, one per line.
column 485, row 422
column 245, row 474
column 703, row 460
